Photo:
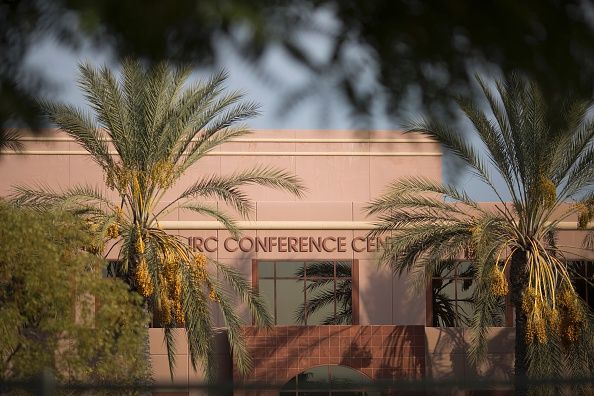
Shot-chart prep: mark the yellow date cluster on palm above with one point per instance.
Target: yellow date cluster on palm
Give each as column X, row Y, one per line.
column 162, row 174
column 117, row 178
column 548, row 191
column 143, row 277
column 169, row 299
column 113, row 231
column 499, row 285
column 565, row 317
column 573, row 318
column 537, row 315
column 199, row 276
column 585, row 213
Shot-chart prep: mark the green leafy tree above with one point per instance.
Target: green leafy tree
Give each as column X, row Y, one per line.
column 380, row 49
column 545, row 157
column 159, row 127
column 57, row 311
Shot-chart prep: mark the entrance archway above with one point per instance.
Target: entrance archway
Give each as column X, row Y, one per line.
column 328, row 380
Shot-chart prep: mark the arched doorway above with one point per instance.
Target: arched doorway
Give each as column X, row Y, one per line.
column 328, row 380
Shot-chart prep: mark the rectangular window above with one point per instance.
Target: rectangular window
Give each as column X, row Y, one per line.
column 451, row 297
column 308, row 292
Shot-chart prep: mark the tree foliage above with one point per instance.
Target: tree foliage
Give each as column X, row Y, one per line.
column 374, row 48
column 57, row 311
column 544, row 154
column 159, row 126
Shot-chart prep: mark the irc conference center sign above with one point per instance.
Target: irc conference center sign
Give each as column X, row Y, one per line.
column 287, row 244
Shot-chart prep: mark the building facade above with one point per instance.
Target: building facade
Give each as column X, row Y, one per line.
column 338, row 315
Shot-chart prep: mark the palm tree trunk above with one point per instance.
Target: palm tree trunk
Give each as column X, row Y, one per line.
column 147, row 352
column 518, row 283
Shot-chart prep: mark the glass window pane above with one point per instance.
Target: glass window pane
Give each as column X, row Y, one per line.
column 315, row 378
column 589, row 266
column 281, row 284
column 445, row 269
column 289, row 301
column 266, row 269
column 443, row 301
column 266, row 290
column 345, row 377
column 289, row 269
column 577, row 269
column 465, row 269
column 329, row 380
column 580, row 286
column 320, row 302
column 344, row 269
column 317, row 269
column 344, row 302
column 291, row 385
column 465, row 305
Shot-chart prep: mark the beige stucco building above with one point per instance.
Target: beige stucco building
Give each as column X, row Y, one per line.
column 388, row 329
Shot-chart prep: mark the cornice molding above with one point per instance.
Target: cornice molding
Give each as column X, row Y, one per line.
column 297, row 225
column 256, row 153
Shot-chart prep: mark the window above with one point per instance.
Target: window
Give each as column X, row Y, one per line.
column 451, row 301
column 328, row 380
column 308, row 293
column 582, row 277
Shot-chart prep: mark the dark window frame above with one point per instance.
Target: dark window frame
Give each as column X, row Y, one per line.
column 508, row 311
column 586, row 279
column 354, row 282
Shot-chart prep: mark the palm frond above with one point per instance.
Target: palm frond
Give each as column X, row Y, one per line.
column 198, row 324
column 497, row 150
column 171, row 351
column 10, row 138
column 227, row 188
column 211, row 126
column 234, row 335
column 196, row 102
column 46, row 196
column 455, row 143
column 213, row 212
column 207, row 142
column 81, row 127
column 426, row 245
column 409, row 190
column 246, row 294
column 103, row 93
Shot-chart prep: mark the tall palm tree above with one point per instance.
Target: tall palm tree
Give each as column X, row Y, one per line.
column 148, row 128
column 545, row 156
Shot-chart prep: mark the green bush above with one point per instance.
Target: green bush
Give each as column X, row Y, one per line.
column 58, row 312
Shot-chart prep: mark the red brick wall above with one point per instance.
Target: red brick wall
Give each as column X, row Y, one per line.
column 380, row 352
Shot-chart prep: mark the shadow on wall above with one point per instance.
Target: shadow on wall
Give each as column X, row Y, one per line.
column 380, row 352
column 447, row 355
column 404, row 354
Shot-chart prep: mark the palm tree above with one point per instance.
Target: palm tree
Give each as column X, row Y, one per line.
column 545, row 156
column 149, row 128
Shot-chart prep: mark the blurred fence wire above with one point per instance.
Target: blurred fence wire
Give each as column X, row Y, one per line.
column 46, row 385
